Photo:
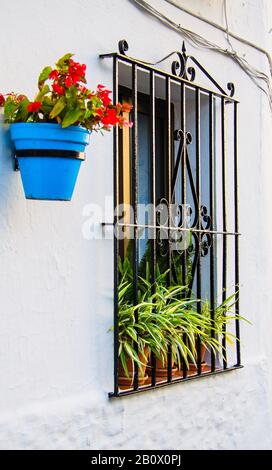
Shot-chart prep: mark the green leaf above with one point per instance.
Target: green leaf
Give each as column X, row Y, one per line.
column 9, row 109
column 71, row 93
column 43, row 91
column 47, row 106
column 44, row 76
column 59, row 106
column 63, row 61
column 71, row 117
column 23, row 113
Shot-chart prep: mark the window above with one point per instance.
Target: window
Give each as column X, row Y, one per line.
column 176, row 245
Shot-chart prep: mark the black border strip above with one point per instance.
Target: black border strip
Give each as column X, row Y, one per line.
column 50, row 153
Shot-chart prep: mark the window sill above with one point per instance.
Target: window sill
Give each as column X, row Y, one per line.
column 175, row 380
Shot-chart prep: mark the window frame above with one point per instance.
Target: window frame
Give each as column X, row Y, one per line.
column 184, row 76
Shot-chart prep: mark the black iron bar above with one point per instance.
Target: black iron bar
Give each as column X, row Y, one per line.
column 169, row 198
column 194, row 264
column 134, row 183
column 237, row 324
column 177, row 164
column 198, row 208
column 192, row 186
column 153, row 200
column 115, row 241
column 212, row 215
column 224, row 221
column 141, row 65
column 183, row 201
column 215, row 83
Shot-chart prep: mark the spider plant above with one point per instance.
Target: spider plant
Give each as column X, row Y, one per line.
column 138, row 333
column 223, row 317
column 163, row 317
column 177, row 319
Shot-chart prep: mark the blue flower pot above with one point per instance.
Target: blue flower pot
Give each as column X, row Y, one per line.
column 49, row 158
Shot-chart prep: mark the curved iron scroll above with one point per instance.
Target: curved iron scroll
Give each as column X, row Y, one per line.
column 180, row 67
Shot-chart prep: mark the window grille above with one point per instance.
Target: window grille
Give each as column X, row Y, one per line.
column 190, row 135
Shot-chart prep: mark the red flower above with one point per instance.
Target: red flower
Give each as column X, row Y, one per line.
column 77, row 71
column 54, row 74
column 110, row 118
column 99, row 111
column 76, row 78
column 68, row 81
column 103, row 94
column 58, row 88
column 34, row 106
column 105, row 97
column 2, row 100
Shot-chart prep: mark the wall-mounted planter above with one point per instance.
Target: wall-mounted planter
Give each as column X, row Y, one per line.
column 49, row 158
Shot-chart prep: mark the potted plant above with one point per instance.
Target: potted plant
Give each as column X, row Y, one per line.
column 139, row 333
column 160, row 320
column 179, row 322
column 128, row 335
column 51, row 132
column 223, row 317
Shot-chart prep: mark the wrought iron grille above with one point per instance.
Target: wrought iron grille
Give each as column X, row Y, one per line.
column 185, row 166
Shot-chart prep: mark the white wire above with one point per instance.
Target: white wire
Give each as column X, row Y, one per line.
column 258, row 77
column 221, row 28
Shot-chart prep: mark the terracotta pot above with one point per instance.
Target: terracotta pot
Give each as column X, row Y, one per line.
column 162, row 369
column 192, row 366
column 123, row 380
column 203, row 352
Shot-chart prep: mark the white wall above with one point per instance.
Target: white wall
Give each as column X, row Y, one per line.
column 56, row 288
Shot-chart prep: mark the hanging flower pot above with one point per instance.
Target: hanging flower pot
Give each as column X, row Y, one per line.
column 49, row 158
column 50, row 134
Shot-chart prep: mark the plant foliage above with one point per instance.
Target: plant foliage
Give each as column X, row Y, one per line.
column 64, row 98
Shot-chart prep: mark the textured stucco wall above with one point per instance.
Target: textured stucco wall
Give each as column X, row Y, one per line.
column 56, row 287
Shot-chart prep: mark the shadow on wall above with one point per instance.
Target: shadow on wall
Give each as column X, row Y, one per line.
column 8, row 178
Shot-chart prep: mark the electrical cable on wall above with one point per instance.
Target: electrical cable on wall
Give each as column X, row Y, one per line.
column 258, row 77
column 225, row 30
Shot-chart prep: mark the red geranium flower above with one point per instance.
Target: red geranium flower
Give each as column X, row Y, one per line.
column 34, row 106
column 110, row 118
column 99, row 111
column 75, row 78
column 58, row 88
column 68, row 81
column 76, row 71
column 103, row 94
column 54, row 74
column 2, row 100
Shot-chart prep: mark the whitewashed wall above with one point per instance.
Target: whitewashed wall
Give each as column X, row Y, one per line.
column 56, row 287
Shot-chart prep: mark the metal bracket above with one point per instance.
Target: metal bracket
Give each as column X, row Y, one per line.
column 16, row 164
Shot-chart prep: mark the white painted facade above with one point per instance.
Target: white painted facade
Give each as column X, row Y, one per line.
column 56, row 288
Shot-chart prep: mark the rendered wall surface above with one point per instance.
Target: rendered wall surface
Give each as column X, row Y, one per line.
column 56, row 288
